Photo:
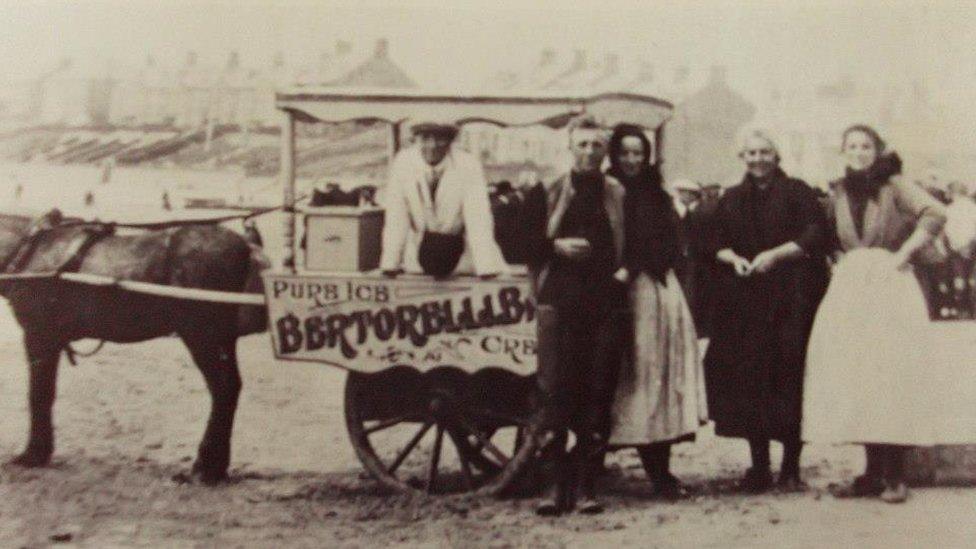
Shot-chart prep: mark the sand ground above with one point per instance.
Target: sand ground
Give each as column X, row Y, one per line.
column 129, row 419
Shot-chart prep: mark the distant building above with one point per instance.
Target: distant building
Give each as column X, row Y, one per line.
column 195, row 92
column 700, row 139
column 379, row 71
column 330, row 66
column 234, row 94
column 266, row 83
column 192, row 95
column 74, row 95
column 809, row 122
column 144, row 96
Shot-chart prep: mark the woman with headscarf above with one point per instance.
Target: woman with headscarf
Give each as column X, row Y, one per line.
column 869, row 368
column 660, row 395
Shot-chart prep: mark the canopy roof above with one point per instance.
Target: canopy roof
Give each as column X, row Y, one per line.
column 341, row 105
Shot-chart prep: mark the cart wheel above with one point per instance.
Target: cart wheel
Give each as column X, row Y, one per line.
column 420, row 432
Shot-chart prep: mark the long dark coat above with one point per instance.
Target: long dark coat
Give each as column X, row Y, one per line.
column 696, row 264
column 755, row 360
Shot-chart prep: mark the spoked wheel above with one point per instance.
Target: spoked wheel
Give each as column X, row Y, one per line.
column 440, row 432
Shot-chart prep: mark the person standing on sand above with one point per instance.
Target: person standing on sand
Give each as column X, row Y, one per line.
column 660, row 389
column 871, row 379
column 770, row 247
column 574, row 247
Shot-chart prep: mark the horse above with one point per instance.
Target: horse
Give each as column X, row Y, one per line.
column 54, row 312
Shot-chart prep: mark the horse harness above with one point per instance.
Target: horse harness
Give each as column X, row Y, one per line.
column 92, row 232
column 77, row 249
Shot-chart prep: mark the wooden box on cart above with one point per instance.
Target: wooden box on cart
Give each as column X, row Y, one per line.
column 342, row 238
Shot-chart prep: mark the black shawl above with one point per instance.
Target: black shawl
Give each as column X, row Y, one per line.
column 651, row 242
column 650, row 224
column 864, row 185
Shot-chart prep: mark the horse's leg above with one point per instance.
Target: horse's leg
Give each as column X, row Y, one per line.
column 217, row 361
column 42, row 356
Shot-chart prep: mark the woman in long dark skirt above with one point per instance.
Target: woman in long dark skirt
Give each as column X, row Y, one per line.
column 771, row 274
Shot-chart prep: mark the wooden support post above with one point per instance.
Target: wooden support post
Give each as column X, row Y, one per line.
column 288, row 185
column 658, row 143
column 394, row 144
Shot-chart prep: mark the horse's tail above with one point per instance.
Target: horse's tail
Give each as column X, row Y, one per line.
column 251, row 319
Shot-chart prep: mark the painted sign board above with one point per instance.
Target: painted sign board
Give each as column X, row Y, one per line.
column 368, row 323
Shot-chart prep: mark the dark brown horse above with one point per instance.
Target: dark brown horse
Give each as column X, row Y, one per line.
column 54, row 313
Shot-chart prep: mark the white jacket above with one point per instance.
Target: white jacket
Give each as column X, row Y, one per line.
column 460, row 204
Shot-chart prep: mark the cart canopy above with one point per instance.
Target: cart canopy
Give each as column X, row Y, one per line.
column 609, row 109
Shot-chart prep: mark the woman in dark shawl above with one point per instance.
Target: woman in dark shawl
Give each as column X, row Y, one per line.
column 771, row 272
column 660, row 395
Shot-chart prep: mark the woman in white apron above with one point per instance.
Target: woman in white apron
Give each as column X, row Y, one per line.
column 866, row 376
column 660, row 394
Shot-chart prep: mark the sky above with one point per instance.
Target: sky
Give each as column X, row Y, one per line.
column 463, row 42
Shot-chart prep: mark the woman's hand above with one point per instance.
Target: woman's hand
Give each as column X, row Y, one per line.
column 902, row 260
column 918, row 240
column 740, row 264
column 764, row 262
column 768, row 260
column 622, row 275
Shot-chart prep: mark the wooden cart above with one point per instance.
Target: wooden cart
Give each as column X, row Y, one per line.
column 440, row 394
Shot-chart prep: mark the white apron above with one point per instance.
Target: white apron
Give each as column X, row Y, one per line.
column 875, row 372
column 660, row 396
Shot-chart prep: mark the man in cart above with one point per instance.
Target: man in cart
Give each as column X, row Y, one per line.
column 438, row 215
column 574, row 248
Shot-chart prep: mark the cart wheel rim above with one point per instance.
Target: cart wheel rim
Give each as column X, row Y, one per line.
column 481, row 463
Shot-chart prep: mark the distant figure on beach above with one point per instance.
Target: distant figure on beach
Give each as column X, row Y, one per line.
column 107, row 171
column 89, row 199
column 166, row 203
column 19, row 191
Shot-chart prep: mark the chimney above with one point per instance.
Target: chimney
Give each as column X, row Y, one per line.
column 548, row 57
column 234, row 60
column 381, row 49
